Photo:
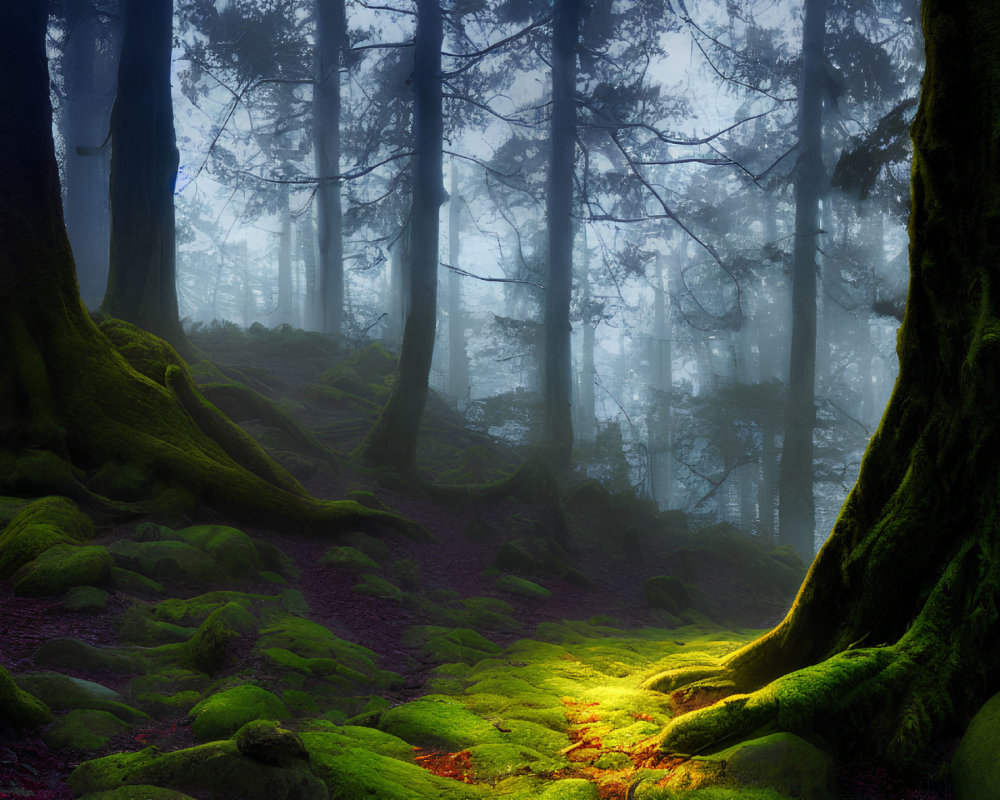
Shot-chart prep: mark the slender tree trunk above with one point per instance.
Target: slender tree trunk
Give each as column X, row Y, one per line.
column 585, row 400
column 797, row 513
column 142, row 278
column 90, row 63
column 661, row 382
column 558, row 424
column 331, row 39
column 393, row 439
column 894, row 639
column 285, row 309
column 458, row 363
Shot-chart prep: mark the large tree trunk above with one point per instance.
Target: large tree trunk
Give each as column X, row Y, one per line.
column 393, row 439
column 558, row 424
column 90, row 62
column 894, row 639
column 142, row 279
column 76, row 418
column 797, row 512
column 331, row 38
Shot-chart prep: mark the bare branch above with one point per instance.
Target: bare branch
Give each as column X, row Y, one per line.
column 465, row 274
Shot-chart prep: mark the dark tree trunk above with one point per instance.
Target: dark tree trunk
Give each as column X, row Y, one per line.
column 557, row 438
column 894, row 639
column 142, row 279
column 797, row 513
column 393, row 439
column 331, row 36
column 458, row 362
column 90, row 62
column 585, row 397
column 285, row 312
column 73, row 413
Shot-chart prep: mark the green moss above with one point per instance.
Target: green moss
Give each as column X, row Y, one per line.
column 161, row 705
column 74, row 654
column 214, row 769
column 667, row 592
column 222, row 714
column 210, row 649
column 491, row 613
column 138, row 626
column 308, row 640
column 64, row 692
column 286, row 659
column 975, row 769
column 85, row 598
column 406, row 574
column 61, row 567
column 514, row 557
column 18, row 707
column 195, row 610
column 374, row 586
column 137, row 793
column 521, row 587
column 39, row 525
column 167, row 560
column 83, row 729
column 230, row 548
column 493, row 762
column 350, row 558
column 129, row 582
column 300, row 703
column 266, row 742
column 441, row 645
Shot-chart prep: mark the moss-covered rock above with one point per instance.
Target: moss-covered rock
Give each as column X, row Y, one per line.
column 975, row 768
column 210, row 771
column 230, row 548
column 83, row 729
column 211, row 647
column 85, row 598
column 18, row 707
column 222, row 714
column 137, row 793
column 521, row 587
column 130, row 582
column 265, row 741
column 167, row 560
column 64, row 692
column 667, row 592
column 442, row 645
column 781, row 762
column 39, row 525
column 74, row 654
column 61, row 567
column 375, row 586
column 346, row 557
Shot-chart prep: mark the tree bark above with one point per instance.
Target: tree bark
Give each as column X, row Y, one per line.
column 894, row 639
column 393, row 439
column 458, row 362
column 90, row 62
column 331, row 39
column 558, row 425
column 585, row 397
column 797, row 512
column 142, row 278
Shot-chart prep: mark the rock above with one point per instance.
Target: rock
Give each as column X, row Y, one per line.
column 224, row 713
column 80, row 655
column 137, row 793
column 38, row 526
column 18, row 707
column 62, row 692
column 83, row 729
column 266, row 742
column 62, row 567
column 85, row 598
column 667, row 592
column 975, row 768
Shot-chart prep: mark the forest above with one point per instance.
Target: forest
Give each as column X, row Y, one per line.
column 453, row 400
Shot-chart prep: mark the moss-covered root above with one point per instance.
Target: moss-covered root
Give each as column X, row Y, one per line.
column 18, row 707
column 239, row 402
column 533, row 482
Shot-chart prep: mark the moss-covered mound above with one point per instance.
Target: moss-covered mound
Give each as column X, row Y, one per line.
column 221, row 715
column 975, row 768
column 18, row 707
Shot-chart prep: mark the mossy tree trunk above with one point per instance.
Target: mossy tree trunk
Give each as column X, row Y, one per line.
column 392, row 441
column 142, row 282
column 82, row 407
column 894, row 639
column 797, row 511
column 557, row 437
column 331, row 40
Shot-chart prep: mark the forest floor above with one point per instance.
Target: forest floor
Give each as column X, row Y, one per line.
column 501, row 654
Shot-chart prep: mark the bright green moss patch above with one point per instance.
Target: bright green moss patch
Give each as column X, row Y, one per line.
column 441, row 645
column 83, row 729
column 439, row 722
column 521, row 587
column 61, row 567
column 350, row 558
column 308, row 639
column 39, row 525
column 18, row 707
column 222, row 714
column 975, row 768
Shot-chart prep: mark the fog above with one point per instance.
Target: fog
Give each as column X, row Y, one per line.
column 688, row 171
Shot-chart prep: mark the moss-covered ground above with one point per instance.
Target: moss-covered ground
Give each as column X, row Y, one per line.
column 512, row 644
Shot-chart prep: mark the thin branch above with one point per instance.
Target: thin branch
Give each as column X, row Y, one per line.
column 311, row 180
column 465, row 274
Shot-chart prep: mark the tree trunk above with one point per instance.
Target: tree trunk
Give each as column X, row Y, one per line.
column 89, row 78
column 73, row 413
column 797, row 513
column 393, row 439
column 142, row 278
column 661, row 381
column 331, row 39
column 458, row 363
column 557, row 437
column 894, row 639
column 585, row 399
column 284, row 312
